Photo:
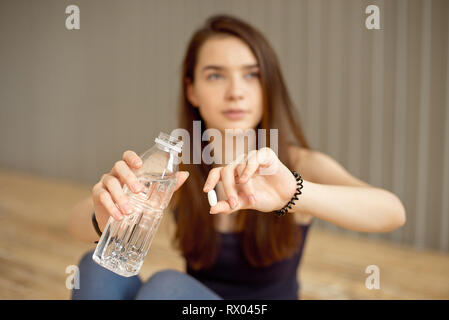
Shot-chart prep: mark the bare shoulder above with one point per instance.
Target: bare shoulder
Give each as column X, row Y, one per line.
column 302, row 160
column 319, row 167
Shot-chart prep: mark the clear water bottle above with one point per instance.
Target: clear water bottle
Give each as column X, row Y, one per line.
column 124, row 244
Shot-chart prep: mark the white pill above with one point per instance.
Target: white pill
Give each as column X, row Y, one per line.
column 212, row 196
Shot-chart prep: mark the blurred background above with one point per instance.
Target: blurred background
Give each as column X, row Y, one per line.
column 377, row 101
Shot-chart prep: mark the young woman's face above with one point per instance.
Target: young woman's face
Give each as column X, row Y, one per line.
column 227, row 88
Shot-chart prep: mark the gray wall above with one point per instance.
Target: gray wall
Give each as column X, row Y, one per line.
column 375, row 100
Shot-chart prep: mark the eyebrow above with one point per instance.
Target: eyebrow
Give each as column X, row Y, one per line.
column 219, row 68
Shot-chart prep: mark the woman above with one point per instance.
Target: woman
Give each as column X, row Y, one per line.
column 237, row 249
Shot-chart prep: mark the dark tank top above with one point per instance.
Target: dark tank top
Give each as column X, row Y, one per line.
column 232, row 277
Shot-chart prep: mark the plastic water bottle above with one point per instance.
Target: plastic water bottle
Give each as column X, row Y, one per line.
column 124, row 244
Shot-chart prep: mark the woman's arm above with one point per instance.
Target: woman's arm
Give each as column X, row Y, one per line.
column 79, row 222
column 363, row 209
column 340, row 198
column 263, row 183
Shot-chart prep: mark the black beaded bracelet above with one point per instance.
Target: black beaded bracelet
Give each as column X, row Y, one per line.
column 95, row 224
column 291, row 203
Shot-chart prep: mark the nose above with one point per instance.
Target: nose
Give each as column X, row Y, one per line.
column 235, row 90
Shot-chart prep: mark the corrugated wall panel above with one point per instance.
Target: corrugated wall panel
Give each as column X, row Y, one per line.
column 375, row 100
column 400, row 106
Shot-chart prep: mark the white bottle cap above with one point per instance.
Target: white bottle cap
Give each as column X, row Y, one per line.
column 169, row 142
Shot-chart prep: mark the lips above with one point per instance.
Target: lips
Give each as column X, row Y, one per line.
column 235, row 114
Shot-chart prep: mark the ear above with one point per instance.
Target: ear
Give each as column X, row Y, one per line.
column 191, row 93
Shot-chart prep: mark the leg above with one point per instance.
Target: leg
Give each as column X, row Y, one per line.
column 98, row 283
column 174, row 285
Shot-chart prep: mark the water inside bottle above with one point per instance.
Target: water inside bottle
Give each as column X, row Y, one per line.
column 124, row 244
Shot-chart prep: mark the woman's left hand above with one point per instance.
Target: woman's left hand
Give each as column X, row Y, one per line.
column 258, row 181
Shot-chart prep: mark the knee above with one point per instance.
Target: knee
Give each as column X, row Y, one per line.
column 166, row 276
column 97, row 282
column 171, row 284
column 88, row 266
column 165, row 284
column 86, row 260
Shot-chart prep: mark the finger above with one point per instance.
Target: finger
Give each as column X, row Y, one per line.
column 245, row 201
column 247, row 195
column 212, row 179
column 126, row 176
column 118, row 196
column 132, row 159
column 239, row 164
column 239, row 171
column 181, row 178
column 268, row 161
column 240, row 168
column 105, row 199
column 252, row 165
column 221, row 207
column 228, row 179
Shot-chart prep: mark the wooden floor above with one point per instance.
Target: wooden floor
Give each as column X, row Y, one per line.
column 35, row 251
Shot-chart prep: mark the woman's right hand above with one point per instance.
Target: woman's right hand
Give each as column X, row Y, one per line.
column 108, row 196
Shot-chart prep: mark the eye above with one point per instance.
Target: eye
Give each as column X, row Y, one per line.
column 214, row 76
column 251, row 75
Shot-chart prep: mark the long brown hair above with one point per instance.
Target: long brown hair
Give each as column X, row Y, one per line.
column 266, row 238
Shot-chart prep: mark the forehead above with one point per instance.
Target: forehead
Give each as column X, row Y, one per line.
column 226, row 51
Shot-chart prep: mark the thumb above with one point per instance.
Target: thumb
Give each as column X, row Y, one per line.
column 181, row 177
